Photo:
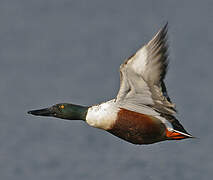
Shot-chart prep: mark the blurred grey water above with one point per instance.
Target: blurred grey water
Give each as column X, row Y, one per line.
column 70, row 51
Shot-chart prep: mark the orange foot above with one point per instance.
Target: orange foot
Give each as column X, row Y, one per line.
column 176, row 135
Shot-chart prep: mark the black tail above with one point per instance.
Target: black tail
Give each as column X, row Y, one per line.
column 177, row 126
column 175, row 123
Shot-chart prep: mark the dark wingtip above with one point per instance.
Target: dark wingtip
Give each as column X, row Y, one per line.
column 165, row 27
column 164, row 31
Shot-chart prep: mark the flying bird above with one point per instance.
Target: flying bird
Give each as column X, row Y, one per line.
column 142, row 112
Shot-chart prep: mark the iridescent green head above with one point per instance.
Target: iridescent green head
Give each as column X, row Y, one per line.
column 63, row 111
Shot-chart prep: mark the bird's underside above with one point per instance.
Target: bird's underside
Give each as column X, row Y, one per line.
column 138, row 128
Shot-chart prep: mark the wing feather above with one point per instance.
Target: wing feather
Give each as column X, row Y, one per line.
column 142, row 75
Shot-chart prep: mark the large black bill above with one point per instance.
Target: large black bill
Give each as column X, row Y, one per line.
column 41, row 112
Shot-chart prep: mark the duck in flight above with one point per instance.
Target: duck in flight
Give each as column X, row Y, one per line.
column 142, row 112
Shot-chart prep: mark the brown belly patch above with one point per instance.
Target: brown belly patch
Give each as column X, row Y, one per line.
column 138, row 128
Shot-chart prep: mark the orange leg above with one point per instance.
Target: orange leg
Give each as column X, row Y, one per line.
column 176, row 135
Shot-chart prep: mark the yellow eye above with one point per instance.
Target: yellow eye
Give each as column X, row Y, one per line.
column 62, row 106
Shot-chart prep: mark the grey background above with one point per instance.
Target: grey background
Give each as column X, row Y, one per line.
column 55, row 51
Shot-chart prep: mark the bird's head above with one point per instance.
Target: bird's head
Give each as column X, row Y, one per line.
column 63, row 111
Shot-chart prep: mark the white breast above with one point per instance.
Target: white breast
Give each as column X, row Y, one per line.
column 103, row 115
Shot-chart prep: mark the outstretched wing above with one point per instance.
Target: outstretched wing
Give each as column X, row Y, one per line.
column 141, row 78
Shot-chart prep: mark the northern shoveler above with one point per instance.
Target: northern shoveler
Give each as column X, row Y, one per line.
column 142, row 112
